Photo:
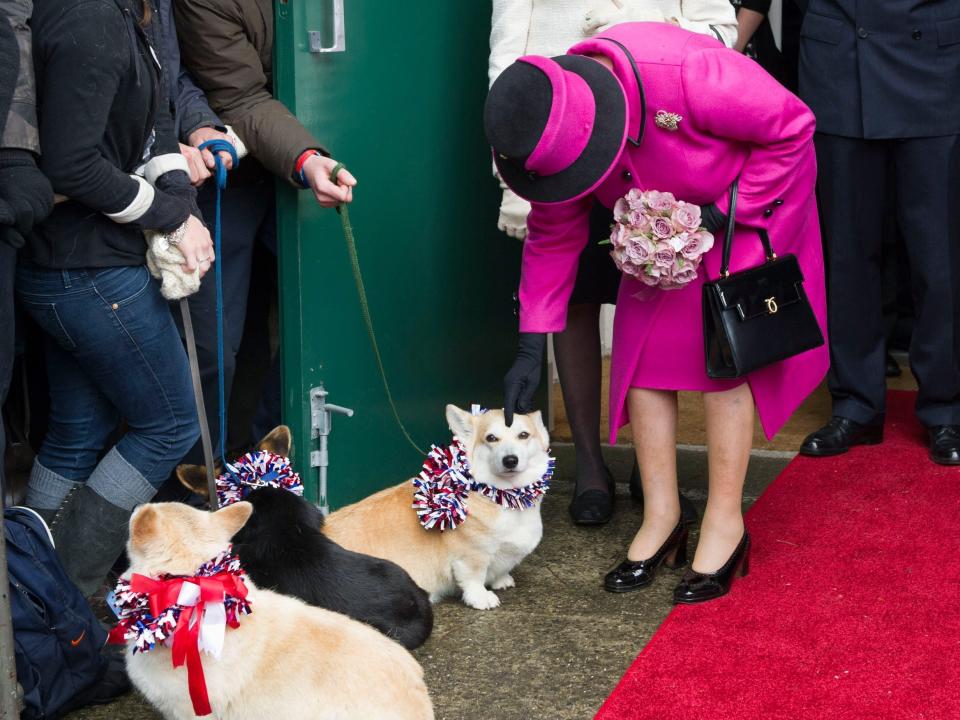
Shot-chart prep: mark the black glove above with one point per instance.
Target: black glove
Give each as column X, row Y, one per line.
column 522, row 380
column 711, row 217
column 25, row 195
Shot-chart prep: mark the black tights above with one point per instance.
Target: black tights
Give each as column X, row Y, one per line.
column 579, row 364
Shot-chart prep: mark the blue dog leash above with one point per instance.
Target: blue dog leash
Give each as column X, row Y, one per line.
column 220, row 177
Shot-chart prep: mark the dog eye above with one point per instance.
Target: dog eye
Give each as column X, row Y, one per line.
column 524, row 435
column 491, row 438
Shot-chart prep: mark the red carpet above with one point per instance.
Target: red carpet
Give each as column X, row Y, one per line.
column 851, row 609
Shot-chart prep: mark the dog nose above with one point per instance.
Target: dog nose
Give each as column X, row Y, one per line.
column 510, row 461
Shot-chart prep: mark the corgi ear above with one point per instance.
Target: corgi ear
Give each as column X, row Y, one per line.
column 541, row 429
column 460, row 422
column 278, row 441
column 233, row 517
column 194, row 479
column 144, row 525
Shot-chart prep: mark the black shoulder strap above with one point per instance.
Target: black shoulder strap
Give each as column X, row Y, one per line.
column 643, row 96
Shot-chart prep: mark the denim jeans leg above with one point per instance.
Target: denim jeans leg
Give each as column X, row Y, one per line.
column 119, row 331
column 81, row 417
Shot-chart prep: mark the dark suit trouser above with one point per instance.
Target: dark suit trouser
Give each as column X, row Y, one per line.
column 853, row 179
column 247, row 217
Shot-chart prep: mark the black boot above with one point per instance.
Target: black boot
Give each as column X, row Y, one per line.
column 89, row 533
column 688, row 511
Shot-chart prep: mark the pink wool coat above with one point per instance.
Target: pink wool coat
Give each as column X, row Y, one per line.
column 735, row 121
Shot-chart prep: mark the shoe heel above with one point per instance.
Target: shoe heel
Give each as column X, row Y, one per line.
column 744, row 568
column 678, row 556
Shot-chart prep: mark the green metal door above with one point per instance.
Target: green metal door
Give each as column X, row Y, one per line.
column 401, row 106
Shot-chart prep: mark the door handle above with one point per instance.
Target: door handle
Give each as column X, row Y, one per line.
column 339, row 33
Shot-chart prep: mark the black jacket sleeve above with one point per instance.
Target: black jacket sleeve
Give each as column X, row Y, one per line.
column 86, row 60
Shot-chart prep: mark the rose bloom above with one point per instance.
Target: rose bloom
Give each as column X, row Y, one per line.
column 634, row 199
column 629, row 268
column 619, row 235
column 661, row 227
column 697, row 244
column 651, row 276
column 664, row 256
column 660, row 201
column 621, row 209
column 683, row 271
column 639, row 249
column 686, row 217
column 678, row 242
column 639, row 221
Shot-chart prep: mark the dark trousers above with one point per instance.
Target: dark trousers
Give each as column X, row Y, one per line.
column 248, row 217
column 8, row 269
column 853, row 187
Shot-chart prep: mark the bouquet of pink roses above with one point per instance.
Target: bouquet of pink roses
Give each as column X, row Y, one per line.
column 658, row 239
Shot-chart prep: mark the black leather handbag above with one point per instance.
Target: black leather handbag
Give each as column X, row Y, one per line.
column 755, row 317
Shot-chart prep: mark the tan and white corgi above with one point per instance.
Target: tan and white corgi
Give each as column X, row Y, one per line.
column 286, row 659
column 481, row 552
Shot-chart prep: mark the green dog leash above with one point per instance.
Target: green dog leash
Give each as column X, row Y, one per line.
column 344, row 214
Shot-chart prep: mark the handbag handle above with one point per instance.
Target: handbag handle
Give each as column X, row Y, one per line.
column 731, row 225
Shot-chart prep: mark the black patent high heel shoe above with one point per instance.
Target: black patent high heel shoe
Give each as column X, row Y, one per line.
column 635, row 574
column 594, row 507
column 699, row 587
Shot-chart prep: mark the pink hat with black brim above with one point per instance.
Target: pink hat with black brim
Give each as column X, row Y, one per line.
column 556, row 126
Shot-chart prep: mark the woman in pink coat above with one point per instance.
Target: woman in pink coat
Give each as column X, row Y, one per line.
column 659, row 108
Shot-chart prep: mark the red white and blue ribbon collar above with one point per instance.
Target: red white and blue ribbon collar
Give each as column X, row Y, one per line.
column 256, row 470
column 442, row 487
column 189, row 614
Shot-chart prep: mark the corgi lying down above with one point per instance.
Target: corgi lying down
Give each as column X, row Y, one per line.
column 507, row 469
column 282, row 548
column 284, row 660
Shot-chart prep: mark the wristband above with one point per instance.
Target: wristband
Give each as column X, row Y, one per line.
column 298, row 167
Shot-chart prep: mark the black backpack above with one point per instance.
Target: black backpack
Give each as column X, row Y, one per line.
column 57, row 637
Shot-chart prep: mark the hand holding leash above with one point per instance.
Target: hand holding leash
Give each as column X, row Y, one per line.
column 521, row 381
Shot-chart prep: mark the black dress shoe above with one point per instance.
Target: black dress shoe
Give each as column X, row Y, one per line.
column 688, row 511
column 594, row 507
column 945, row 444
column 891, row 366
column 635, row 574
column 839, row 435
column 700, row 587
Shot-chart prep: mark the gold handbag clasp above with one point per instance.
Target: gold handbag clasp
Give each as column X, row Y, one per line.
column 772, row 306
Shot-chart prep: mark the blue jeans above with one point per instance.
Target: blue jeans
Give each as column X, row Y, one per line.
column 112, row 351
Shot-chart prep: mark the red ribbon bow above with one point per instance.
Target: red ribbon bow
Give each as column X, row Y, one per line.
column 163, row 594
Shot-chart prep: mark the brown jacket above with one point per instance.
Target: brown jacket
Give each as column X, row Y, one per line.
column 227, row 45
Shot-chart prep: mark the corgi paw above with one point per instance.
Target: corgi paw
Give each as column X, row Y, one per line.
column 504, row 582
column 482, row 599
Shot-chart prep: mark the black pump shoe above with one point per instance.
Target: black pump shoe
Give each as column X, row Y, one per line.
column 594, row 507
column 700, row 587
column 839, row 435
column 688, row 511
column 635, row 574
column 945, row 444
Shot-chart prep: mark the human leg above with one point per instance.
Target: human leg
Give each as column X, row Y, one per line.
column 729, row 419
column 121, row 336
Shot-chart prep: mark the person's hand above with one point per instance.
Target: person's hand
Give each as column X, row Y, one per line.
column 202, row 135
column 198, row 169
column 608, row 13
column 522, row 379
column 513, row 215
column 317, row 170
column 25, row 195
column 196, row 247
